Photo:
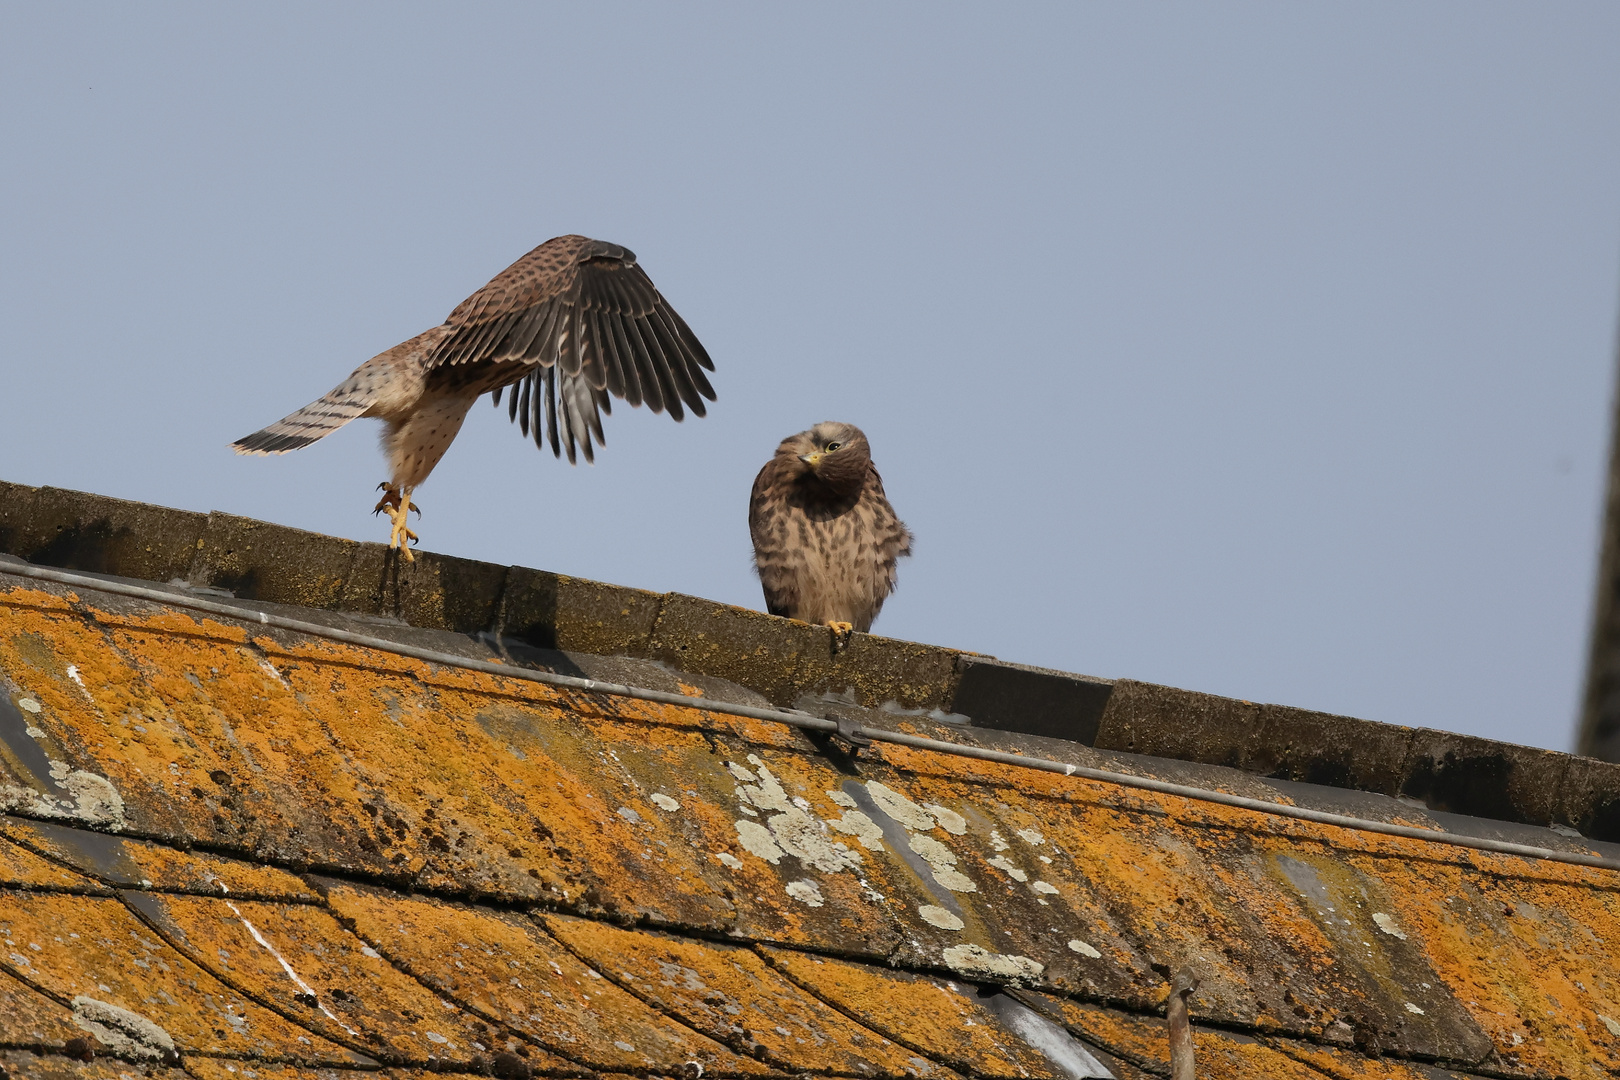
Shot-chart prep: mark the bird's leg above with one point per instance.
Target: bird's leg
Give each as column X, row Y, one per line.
column 841, row 632
column 398, row 503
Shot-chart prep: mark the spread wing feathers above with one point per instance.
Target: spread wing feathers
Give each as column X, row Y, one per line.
column 589, row 325
column 318, row 419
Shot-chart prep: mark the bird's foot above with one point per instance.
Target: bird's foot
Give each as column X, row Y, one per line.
column 841, row 632
column 399, row 506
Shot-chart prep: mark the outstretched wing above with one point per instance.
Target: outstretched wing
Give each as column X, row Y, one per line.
column 585, row 322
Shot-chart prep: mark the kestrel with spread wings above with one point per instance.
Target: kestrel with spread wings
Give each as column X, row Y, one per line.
column 576, row 321
column 826, row 540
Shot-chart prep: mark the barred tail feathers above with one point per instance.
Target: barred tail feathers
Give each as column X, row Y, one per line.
column 314, row 421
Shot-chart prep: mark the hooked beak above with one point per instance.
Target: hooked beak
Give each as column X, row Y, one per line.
column 811, row 460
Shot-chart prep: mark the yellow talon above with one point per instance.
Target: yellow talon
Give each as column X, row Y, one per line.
column 399, row 507
column 841, row 632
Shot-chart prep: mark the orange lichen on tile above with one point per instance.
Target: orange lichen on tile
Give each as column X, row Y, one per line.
column 207, row 1068
column 29, row 1018
column 1389, row 988
column 698, row 818
column 21, row 867
column 302, row 959
column 169, row 870
column 1341, row 1064
column 201, row 1068
column 1532, row 963
column 509, row 970
column 91, row 946
column 306, row 752
column 921, row 1013
column 129, row 862
column 24, row 1065
column 730, row 994
column 1145, row 1042
column 576, row 809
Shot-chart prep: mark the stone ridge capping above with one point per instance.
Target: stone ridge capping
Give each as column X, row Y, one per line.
column 787, row 661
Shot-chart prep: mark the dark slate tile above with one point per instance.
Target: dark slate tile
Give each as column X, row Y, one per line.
column 440, row 592
column 1461, row 774
column 1030, row 700
column 1335, row 751
column 878, row 671
column 554, row 611
column 1590, row 798
column 255, row 560
column 759, row 651
column 76, row 531
column 1161, row 721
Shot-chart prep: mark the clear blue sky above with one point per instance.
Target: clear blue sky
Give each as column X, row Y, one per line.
column 1264, row 350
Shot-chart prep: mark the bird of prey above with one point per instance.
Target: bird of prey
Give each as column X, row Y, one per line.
column 576, row 321
column 825, row 537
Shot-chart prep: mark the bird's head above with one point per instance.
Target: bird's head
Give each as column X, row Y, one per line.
column 834, row 453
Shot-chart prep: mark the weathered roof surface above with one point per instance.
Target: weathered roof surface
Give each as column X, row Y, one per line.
column 232, row 851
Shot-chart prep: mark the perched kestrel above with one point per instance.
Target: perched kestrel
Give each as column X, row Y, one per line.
column 575, row 320
column 825, row 537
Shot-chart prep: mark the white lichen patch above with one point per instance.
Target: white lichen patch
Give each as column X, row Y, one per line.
column 900, row 808
column 756, row 839
column 629, row 815
column 124, row 1031
column 805, row 838
column 935, row 915
column 856, row 824
column 89, row 798
column 942, row 861
column 972, row 960
column 997, row 841
column 806, row 892
column 728, row 860
column 948, row 819
column 791, row 830
column 1076, row 945
column 1005, row 865
column 1032, row 837
column 1611, row 1024
column 1044, row 887
column 1387, row 925
column 664, row 802
column 843, row 798
column 1413, row 1009
column 768, row 793
column 28, row 705
column 681, row 978
column 740, row 773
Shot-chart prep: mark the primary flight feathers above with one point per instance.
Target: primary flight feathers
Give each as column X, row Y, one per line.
column 576, row 322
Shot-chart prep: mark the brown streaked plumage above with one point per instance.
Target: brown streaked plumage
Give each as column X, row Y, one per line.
column 576, row 322
column 826, row 539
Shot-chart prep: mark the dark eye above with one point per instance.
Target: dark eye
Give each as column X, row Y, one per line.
column 833, row 446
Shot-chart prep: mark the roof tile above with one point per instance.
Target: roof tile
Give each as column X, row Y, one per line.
column 29, row 1018
column 73, row 946
column 141, row 864
column 730, row 994
column 21, row 867
column 303, row 962
column 510, row 971
column 924, row 1014
column 24, row 1065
